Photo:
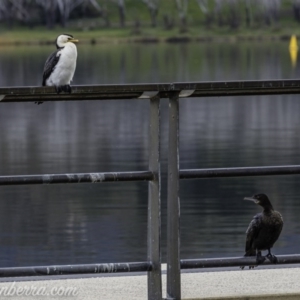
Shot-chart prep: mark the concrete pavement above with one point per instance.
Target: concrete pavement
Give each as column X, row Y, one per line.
column 258, row 284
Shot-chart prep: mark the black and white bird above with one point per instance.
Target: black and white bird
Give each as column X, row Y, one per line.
column 60, row 66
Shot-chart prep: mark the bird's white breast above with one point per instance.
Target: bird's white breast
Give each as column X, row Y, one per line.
column 65, row 68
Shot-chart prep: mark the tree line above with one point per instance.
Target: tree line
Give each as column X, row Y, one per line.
column 232, row 13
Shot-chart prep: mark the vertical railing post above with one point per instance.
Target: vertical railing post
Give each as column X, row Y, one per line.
column 173, row 205
column 154, row 216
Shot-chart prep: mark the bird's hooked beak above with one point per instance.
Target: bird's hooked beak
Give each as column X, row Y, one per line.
column 73, row 41
column 252, row 199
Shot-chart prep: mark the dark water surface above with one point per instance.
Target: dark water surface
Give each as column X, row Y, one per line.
column 88, row 223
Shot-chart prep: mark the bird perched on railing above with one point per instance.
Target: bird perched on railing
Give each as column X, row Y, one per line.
column 61, row 64
column 263, row 230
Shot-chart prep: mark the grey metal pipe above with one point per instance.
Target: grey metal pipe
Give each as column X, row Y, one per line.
column 234, row 261
column 154, row 206
column 173, row 212
column 76, row 178
column 239, row 172
column 149, row 90
column 76, row 269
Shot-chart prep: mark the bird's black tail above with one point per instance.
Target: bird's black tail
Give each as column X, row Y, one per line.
column 250, row 252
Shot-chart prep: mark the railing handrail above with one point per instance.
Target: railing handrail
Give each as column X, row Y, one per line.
column 234, row 261
column 150, row 90
column 76, row 269
column 238, row 172
column 76, row 178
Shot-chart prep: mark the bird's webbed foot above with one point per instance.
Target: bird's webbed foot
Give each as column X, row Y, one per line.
column 250, row 267
column 58, row 89
column 259, row 260
column 271, row 257
column 63, row 88
column 67, row 88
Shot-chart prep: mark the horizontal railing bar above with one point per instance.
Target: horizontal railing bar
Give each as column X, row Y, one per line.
column 146, row 91
column 139, row 266
column 234, row 262
column 69, row 97
column 76, row 269
column 88, row 89
column 239, row 172
column 76, row 178
column 82, row 92
column 236, row 88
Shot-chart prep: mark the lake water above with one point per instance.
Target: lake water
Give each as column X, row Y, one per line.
column 94, row 223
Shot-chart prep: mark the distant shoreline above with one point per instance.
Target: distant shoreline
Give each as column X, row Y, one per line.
column 118, row 36
column 174, row 39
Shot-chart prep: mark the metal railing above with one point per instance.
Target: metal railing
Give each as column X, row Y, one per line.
column 210, row 89
column 172, row 91
column 153, row 264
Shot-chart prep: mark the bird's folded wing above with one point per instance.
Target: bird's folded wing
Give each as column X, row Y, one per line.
column 50, row 64
column 251, row 234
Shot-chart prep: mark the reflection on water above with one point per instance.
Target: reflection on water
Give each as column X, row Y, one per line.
column 65, row 224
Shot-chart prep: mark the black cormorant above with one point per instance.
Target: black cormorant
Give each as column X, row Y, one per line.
column 61, row 64
column 263, row 230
